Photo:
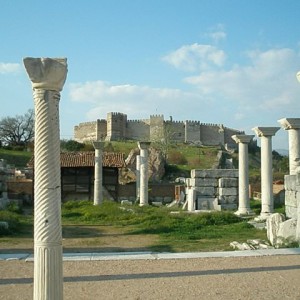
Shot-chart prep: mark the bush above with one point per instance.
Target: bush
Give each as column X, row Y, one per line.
column 177, row 158
column 13, row 220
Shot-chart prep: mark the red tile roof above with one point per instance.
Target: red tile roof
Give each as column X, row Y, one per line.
column 87, row 159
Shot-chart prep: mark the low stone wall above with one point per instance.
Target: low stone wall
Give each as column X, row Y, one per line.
column 215, row 189
column 164, row 193
column 292, row 195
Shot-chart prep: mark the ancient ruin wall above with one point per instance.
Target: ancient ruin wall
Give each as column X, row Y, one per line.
column 212, row 135
column 138, row 130
column 193, row 132
column 292, row 195
column 175, row 131
column 156, row 127
column 116, row 126
column 85, row 132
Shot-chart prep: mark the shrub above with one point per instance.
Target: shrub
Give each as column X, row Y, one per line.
column 177, row 158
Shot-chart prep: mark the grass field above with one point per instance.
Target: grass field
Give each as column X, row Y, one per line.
column 111, row 227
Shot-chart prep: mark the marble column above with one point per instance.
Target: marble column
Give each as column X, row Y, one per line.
column 47, row 76
column 267, row 201
column 292, row 125
column 144, row 146
column 98, row 189
column 138, row 176
column 244, row 202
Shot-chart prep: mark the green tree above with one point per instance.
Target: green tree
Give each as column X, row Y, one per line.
column 71, row 145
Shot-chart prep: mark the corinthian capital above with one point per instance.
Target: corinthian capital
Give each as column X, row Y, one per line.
column 46, row 73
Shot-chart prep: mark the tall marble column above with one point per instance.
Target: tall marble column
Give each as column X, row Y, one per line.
column 267, row 202
column 98, row 189
column 138, row 176
column 293, row 127
column 48, row 77
column 244, row 202
column 144, row 146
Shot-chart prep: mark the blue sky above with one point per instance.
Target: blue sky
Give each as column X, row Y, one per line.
column 230, row 62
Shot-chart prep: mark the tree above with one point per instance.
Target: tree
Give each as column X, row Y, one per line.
column 71, row 145
column 18, row 130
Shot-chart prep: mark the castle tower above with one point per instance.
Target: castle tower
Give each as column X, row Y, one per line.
column 116, row 126
column 157, row 126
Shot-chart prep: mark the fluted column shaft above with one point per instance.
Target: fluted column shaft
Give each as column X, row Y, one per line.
column 98, row 171
column 47, row 77
column 244, row 201
column 267, row 201
column 144, row 146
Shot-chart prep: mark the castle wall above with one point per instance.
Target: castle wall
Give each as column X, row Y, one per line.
column 228, row 133
column 175, row 131
column 138, row 130
column 116, row 126
column 85, row 132
column 101, row 129
column 156, row 127
column 192, row 132
column 211, row 134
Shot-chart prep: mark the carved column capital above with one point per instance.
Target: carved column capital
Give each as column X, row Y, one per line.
column 265, row 131
column 46, row 73
column 242, row 138
column 289, row 123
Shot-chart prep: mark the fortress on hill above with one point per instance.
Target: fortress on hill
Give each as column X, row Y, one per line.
column 116, row 127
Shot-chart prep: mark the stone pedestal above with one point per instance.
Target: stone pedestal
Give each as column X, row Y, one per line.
column 138, row 176
column 267, row 201
column 98, row 189
column 244, row 201
column 48, row 77
column 293, row 127
column 144, row 146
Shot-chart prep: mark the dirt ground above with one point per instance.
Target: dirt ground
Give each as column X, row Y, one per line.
column 264, row 277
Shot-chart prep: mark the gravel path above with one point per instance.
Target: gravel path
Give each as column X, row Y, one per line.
column 266, row 277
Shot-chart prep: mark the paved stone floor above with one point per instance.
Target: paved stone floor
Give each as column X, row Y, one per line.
column 265, row 274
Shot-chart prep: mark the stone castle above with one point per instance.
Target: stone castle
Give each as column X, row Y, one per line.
column 116, row 127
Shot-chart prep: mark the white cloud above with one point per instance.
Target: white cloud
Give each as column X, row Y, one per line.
column 9, row 68
column 268, row 82
column 136, row 101
column 195, row 57
column 217, row 33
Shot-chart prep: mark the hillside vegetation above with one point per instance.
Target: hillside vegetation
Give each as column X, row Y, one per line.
column 180, row 158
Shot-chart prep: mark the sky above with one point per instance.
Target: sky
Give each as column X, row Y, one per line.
column 230, row 62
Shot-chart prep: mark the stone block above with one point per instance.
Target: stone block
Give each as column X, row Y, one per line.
column 291, row 198
column 205, row 203
column 228, row 182
column 228, row 191
column 168, row 199
column 204, row 182
column 291, row 212
column 272, row 223
column 215, row 173
column 205, row 191
column 229, row 206
column 290, row 182
column 287, row 231
column 228, row 199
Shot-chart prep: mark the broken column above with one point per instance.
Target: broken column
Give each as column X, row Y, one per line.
column 293, row 127
column 244, row 201
column 48, row 77
column 267, row 201
column 98, row 189
column 144, row 146
column 138, row 176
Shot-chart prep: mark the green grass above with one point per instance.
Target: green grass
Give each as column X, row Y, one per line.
column 17, row 158
column 177, row 232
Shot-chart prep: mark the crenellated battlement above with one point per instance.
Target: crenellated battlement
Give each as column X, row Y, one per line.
column 117, row 127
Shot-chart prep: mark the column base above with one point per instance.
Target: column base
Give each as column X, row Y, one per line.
column 244, row 212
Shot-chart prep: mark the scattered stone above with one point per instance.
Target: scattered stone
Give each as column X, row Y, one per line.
column 273, row 223
column 126, row 202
